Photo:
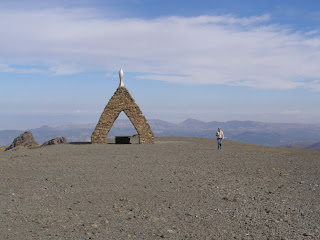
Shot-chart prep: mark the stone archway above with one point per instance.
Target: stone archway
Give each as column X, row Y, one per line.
column 122, row 101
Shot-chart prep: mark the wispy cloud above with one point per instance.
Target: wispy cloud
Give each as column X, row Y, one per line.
column 313, row 32
column 5, row 68
column 192, row 50
column 224, row 19
column 291, row 112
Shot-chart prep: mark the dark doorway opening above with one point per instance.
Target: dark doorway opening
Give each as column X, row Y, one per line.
column 122, row 131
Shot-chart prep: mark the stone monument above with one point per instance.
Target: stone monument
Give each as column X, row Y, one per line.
column 122, row 101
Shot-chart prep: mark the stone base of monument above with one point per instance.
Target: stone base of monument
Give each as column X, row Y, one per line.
column 122, row 140
column 135, row 139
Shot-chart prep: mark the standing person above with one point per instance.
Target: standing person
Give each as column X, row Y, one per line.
column 220, row 136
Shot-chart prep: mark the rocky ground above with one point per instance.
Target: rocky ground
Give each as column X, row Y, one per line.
column 178, row 188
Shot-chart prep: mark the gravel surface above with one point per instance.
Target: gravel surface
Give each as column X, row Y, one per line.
column 178, row 188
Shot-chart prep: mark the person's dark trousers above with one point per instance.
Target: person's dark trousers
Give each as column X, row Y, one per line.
column 219, row 143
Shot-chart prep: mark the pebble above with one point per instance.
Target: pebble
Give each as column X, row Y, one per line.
column 94, row 225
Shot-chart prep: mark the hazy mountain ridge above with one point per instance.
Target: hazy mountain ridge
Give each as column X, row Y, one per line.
column 314, row 146
column 270, row 134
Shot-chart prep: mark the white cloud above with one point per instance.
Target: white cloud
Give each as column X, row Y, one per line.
column 314, row 85
column 224, row 19
column 5, row 68
column 313, row 32
column 67, row 69
column 291, row 112
column 196, row 50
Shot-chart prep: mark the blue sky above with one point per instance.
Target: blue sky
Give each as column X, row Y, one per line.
column 209, row 60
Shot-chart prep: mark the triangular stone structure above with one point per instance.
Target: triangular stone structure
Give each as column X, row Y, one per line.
column 122, row 101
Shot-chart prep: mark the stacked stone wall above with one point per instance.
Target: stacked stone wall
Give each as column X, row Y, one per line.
column 122, row 101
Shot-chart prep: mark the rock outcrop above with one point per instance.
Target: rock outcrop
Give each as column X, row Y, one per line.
column 55, row 141
column 25, row 140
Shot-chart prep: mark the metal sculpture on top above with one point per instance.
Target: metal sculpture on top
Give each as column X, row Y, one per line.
column 121, row 78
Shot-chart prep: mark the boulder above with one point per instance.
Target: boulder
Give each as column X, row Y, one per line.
column 55, row 141
column 25, row 140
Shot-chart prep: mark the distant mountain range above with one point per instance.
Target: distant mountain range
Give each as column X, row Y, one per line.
column 292, row 135
column 315, row 146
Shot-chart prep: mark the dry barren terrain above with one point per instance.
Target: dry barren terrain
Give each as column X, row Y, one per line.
column 178, row 188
